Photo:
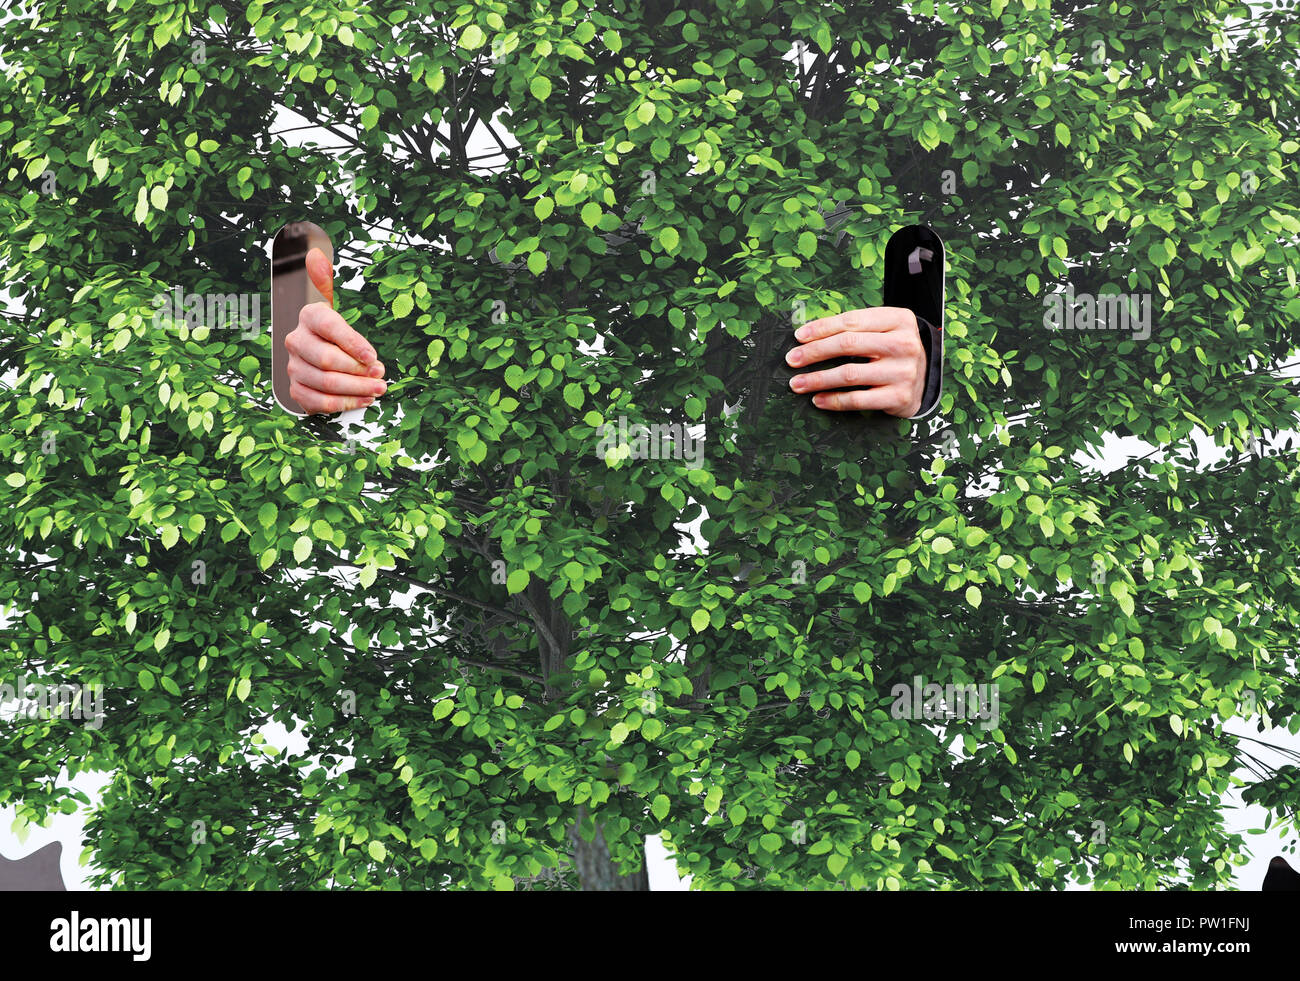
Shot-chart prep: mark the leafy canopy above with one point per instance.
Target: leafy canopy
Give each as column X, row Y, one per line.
column 553, row 216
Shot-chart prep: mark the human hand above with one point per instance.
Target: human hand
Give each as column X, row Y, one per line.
column 893, row 378
column 331, row 367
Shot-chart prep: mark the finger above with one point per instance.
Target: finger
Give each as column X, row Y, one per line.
column 326, row 355
column 846, row 376
column 866, row 319
column 325, row 323
column 847, row 344
column 863, row 399
column 312, row 401
column 333, row 382
column 320, row 273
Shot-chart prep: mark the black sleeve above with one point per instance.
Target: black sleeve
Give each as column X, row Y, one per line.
column 932, row 341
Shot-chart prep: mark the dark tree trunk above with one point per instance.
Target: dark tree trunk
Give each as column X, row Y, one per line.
column 590, row 859
column 596, row 871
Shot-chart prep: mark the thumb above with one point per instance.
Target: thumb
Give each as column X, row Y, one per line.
column 321, row 275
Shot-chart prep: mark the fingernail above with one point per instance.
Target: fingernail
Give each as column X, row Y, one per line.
column 376, row 370
column 380, row 389
column 801, row 333
column 367, row 354
column 794, row 357
column 797, row 383
column 366, row 402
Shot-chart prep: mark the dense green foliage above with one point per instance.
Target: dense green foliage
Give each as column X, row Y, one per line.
column 570, row 651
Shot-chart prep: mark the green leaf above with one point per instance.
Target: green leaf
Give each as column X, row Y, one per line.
column 540, row 87
column 822, row 37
